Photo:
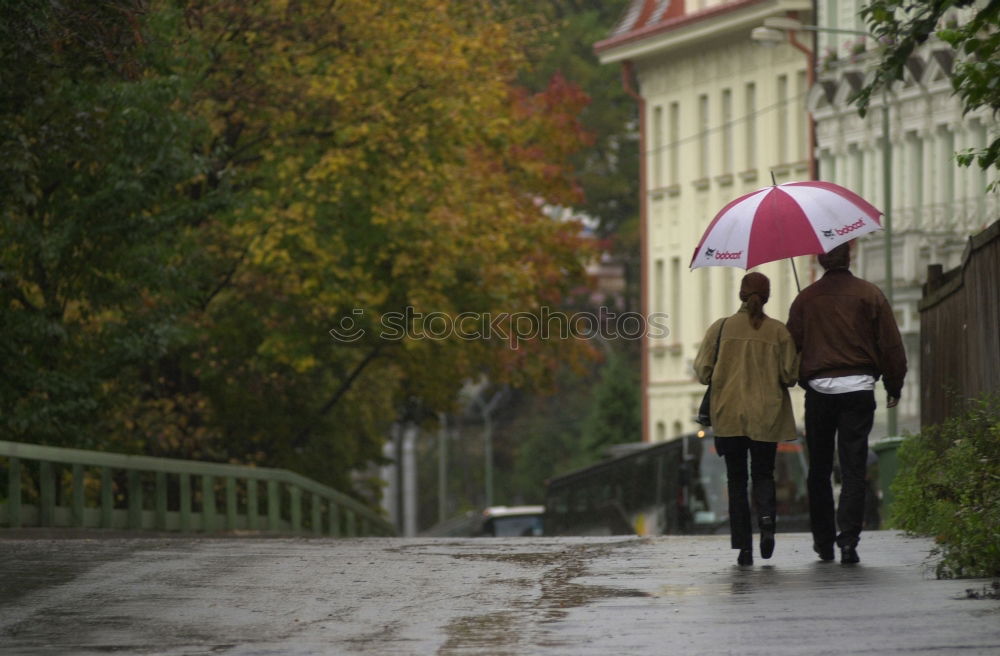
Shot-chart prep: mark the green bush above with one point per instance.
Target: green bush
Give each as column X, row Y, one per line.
column 948, row 487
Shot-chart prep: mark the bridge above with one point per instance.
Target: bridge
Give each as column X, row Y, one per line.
column 86, row 489
column 113, row 553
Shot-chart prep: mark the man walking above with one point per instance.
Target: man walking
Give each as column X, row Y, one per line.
column 848, row 338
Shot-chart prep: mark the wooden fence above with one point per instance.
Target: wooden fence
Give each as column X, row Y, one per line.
column 50, row 486
column 960, row 330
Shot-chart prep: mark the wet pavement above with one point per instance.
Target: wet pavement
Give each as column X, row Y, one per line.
column 667, row 595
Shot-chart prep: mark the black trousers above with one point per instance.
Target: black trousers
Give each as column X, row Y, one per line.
column 762, row 454
column 844, row 421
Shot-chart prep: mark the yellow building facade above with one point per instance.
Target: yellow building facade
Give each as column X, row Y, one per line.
column 719, row 115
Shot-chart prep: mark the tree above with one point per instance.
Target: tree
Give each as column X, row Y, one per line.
column 615, row 415
column 903, row 25
column 546, row 434
column 544, row 438
column 93, row 153
column 393, row 167
column 607, row 168
column 203, row 190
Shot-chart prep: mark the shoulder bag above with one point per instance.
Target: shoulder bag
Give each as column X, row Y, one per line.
column 704, row 410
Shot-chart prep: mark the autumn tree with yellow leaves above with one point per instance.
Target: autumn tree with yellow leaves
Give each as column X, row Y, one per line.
column 333, row 163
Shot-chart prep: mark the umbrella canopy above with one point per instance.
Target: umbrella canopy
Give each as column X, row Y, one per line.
column 782, row 221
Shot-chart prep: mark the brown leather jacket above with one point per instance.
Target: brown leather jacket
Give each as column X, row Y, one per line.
column 844, row 325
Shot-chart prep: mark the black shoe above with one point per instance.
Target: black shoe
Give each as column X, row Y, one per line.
column 766, row 538
column 825, row 552
column 849, row 556
column 746, row 557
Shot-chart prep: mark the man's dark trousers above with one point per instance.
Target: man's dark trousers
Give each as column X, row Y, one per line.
column 762, row 454
column 845, row 420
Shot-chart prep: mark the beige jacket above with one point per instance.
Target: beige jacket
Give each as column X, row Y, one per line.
column 750, row 384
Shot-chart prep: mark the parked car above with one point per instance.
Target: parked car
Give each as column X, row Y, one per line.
column 495, row 521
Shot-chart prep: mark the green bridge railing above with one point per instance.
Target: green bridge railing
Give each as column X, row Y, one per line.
column 58, row 487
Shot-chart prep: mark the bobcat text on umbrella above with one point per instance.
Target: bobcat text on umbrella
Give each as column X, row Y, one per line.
column 857, row 225
column 723, row 255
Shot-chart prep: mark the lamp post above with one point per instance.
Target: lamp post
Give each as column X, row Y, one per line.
column 487, row 408
column 779, row 28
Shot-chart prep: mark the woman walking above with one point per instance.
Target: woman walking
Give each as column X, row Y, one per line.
column 750, row 361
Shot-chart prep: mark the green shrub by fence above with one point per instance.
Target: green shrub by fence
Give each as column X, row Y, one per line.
column 56, row 487
column 948, row 487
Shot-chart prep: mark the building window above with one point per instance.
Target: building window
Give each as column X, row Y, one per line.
column 675, row 298
column 915, row 173
column 675, row 146
column 705, row 294
column 946, row 150
column 658, row 288
column 750, row 110
column 703, row 136
column 727, row 131
column 801, row 117
column 657, row 147
column 661, row 431
column 827, row 166
column 728, row 295
column 781, row 129
column 786, row 295
column 856, row 170
column 830, row 20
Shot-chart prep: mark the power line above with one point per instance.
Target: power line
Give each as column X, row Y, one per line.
column 727, row 124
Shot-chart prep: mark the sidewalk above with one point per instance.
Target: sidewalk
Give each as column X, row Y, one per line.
column 667, row 595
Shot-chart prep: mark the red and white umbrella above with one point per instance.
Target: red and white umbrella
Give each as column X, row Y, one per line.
column 783, row 221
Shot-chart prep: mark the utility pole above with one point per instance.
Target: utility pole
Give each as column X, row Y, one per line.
column 399, row 475
column 389, row 474
column 442, row 466
column 487, row 410
column 887, row 221
column 409, row 462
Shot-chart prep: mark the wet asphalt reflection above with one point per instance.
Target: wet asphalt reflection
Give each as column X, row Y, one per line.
column 819, row 577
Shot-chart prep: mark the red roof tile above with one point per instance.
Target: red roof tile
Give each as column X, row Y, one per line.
column 645, row 18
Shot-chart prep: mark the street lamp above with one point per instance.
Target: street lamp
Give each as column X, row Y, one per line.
column 779, row 28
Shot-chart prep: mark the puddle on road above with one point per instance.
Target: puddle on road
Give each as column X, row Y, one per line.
column 674, row 590
column 492, row 631
column 743, row 584
column 499, row 631
column 558, row 590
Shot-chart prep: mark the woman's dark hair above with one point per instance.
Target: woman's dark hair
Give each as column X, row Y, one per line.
column 755, row 289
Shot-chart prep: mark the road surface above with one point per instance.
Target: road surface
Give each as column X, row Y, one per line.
column 572, row 596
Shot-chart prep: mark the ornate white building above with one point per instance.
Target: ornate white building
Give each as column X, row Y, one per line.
column 719, row 113
column 935, row 204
